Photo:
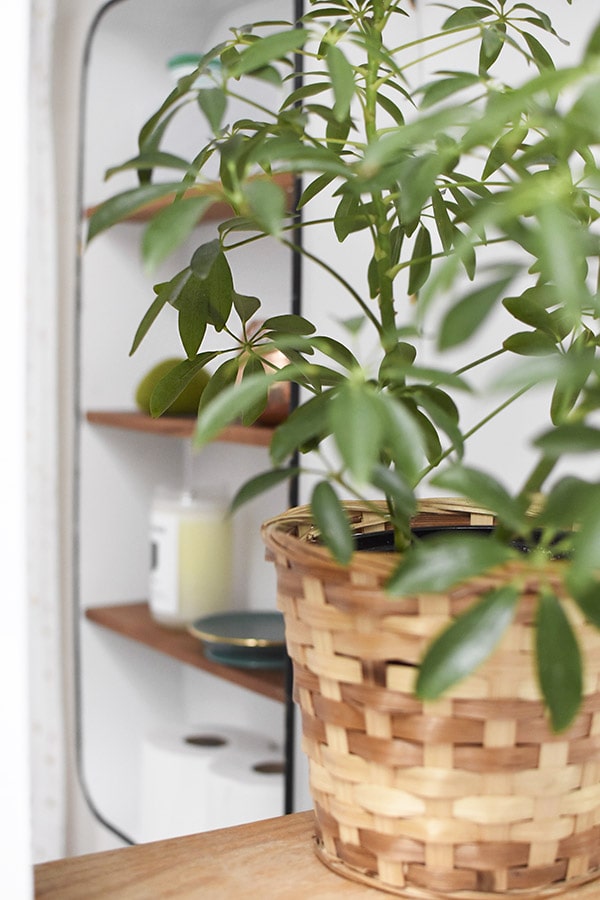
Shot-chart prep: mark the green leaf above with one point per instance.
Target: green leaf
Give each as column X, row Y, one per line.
column 530, row 307
column 266, row 50
column 269, row 74
column 224, row 376
column 586, row 541
column 213, row 103
column 290, row 324
column 504, row 150
column 332, row 521
column 587, row 596
column 232, row 164
column 192, row 319
column 430, row 439
column 258, row 485
column 245, row 306
column 466, row 18
column 493, row 39
column 439, row 562
column 442, row 221
column 394, row 364
column 170, row 228
column 420, row 265
column 394, row 485
column 564, row 502
column 483, row 489
column 314, row 188
column 561, row 246
column 219, row 292
column 204, row 258
column 592, row 48
column 571, row 379
column 558, row 662
column 298, row 156
column 443, row 88
column 418, row 176
column 122, row 205
column 467, row 643
column 565, row 439
column 442, row 411
column 540, row 55
column 302, row 93
column 357, row 426
column 183, row 288
column 267, row 202
column 306, row 422
column 336, row 133
column 342, row 80
column 466, row 316
column 159, row 302
column 564, row 398
column 530, row 343
column 157, row 159
column 349, row 217
column 175, row 381
column 391, row 108
column 154, row 125
column 403, row 437
column 253, row 366
column 335, row 350
column 228, row 406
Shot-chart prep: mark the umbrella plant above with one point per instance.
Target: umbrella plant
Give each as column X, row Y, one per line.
column 477, row 197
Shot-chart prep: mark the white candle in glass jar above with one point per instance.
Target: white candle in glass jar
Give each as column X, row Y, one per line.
column 191, row 556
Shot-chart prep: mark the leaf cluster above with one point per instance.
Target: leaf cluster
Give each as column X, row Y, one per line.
column 477, row 197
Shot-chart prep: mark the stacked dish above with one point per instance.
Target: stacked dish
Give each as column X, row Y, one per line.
column 249, row 639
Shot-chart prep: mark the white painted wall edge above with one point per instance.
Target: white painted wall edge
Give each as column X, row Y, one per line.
column 15, row 830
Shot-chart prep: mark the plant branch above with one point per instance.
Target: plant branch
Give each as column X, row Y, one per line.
column 336, row 275
column 480, row 361
column 537, row 477
column 492, row 415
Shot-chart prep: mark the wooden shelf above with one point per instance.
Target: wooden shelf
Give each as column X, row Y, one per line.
column 133, row 621
column 177, row 426
column 217, row 211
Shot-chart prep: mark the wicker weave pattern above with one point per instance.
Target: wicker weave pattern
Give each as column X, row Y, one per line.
column 469, row 796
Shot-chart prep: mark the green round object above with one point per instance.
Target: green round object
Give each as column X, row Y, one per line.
column 188, row 400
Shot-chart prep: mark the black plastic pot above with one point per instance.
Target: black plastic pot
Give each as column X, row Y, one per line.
column 383, row 541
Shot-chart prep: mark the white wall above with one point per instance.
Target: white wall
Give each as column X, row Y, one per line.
column 15, row 854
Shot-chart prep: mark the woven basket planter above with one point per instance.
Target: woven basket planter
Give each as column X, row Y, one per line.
column 471, row 796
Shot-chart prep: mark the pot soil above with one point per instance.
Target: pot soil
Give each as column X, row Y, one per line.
column 470, row 796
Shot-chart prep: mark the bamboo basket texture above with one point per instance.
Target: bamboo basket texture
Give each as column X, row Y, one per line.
column 470, row 796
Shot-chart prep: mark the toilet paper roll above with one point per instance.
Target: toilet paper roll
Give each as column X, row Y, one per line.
column 188, row 776
column 253, row 788
column 249, row 787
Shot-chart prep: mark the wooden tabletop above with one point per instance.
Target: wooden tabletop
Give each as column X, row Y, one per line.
column 269, row 860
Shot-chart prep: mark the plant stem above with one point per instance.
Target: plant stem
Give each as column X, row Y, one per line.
column 320, row 262
column 537, row 477
column 475, row 429
column 480, row 361
column 381, row 231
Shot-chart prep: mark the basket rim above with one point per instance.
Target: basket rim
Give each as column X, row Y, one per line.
column 293, row 535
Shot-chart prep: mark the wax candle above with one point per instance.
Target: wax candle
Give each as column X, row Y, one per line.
column 191, row 557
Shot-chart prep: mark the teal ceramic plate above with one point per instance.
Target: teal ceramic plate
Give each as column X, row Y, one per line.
column 246, row 658
column 250, row 639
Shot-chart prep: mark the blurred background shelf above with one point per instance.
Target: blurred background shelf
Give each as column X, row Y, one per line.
column 177, row 426
column 133, row 621
column 217, row 211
